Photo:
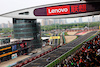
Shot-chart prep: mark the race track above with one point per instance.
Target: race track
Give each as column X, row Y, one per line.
column 42, row 61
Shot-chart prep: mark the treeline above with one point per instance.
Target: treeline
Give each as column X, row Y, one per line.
column 69, row 26
column 6, row 30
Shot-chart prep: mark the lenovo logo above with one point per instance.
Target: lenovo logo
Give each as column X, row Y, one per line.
column 58, row 10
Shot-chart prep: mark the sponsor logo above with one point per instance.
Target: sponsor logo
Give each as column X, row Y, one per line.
column 58, row 10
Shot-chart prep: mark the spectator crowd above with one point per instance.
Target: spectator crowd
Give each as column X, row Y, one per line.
column 87, row 56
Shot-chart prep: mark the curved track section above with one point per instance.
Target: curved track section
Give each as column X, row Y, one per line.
column 42, row 61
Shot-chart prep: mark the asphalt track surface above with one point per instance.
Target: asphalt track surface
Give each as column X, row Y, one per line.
column 41, row 62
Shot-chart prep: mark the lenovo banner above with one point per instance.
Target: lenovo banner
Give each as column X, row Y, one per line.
column 58, row 10
column 67, row 9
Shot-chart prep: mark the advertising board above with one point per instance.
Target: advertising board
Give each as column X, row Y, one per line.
column 22, row 45
column 55, row 37
column 67, row 9
column 14, row 47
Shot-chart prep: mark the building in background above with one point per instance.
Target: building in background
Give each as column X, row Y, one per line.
column 27, row 28
column 6, row 25
column 42, row 23
column 27, row 34
column 9, row 25
column 3, row 25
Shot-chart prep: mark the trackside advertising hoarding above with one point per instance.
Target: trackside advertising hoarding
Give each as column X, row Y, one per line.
column 67, row 9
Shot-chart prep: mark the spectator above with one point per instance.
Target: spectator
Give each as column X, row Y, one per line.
column 87, row 56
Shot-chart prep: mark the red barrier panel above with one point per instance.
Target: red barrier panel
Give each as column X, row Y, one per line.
column 42, row 54
column 49, row 50
column 26, row 61
column 30, row 59
column 21, row 64
column 38, row 56
column 58, row 46
column 33, row 58
column 54, row 47
column 16, row 66
column 45, row 52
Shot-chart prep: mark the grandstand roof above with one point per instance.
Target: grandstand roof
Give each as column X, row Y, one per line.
column 57, row 10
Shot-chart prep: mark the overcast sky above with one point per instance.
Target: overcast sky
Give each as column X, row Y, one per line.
column 12, row 5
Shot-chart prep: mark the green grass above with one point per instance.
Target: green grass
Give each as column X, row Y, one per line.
column 48, row 34
column 59, row 33
column 65, row 34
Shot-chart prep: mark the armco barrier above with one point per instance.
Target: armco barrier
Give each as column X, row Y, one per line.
column 62, row 57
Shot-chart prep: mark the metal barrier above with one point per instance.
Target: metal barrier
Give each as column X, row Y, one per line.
column 29, row 59
column 64, row 40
